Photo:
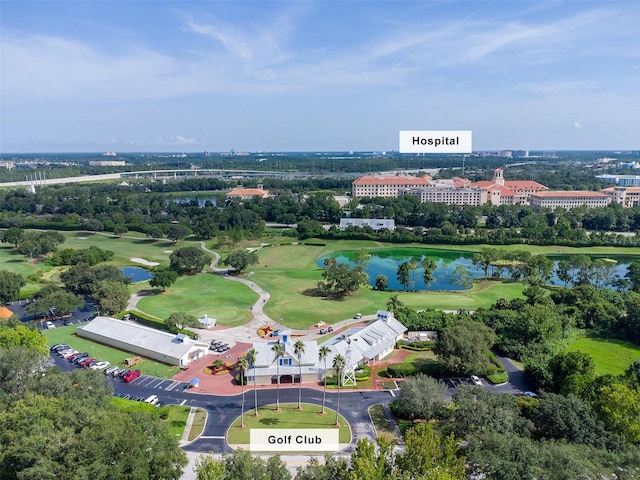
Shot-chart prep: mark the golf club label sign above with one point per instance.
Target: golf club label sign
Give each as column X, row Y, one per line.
column 294, row 440
column 435, row 141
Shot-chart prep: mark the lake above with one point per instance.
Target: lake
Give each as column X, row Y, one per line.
column 137, row 274
column 386, row 262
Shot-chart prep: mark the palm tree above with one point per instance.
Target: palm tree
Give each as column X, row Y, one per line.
column 251, row 360
column 278, row 350
column 243, row 364
column 338, row 365
column 323, row 353
column 298, row 349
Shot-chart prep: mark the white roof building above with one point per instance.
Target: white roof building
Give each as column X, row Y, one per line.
column 267, row 367
column 165, row 347
column 368, row 343
column 375, row 223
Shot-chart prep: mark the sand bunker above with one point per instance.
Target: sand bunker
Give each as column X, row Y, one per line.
column 144, row 262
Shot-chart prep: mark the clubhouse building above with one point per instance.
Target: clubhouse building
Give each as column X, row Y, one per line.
column 358, row 345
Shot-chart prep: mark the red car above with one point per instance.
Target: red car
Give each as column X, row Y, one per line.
column 131, row 376
column 86, row 362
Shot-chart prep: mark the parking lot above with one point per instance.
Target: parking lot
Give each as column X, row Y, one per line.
column 456, row 382
column 79, row 316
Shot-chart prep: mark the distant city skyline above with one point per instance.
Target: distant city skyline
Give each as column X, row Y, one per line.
column 194, row 76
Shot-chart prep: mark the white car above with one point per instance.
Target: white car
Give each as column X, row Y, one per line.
column 100, row 366
column 476, row 380
column 531, row 394
column 49, row 325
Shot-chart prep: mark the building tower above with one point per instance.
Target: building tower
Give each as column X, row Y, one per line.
column 498, row 178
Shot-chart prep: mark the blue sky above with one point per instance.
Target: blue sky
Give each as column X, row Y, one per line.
column 90, row 76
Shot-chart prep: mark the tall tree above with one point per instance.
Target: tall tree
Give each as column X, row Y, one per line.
column 252, row 355
column 298, row 349
column 323, row 354
column 429, row 267
column 338, row 365
column 463, row 348
column 243, row 364
column 10, row 285
column 278, row 351
column 381, row 283
column 421, row 397
column 163, row 278
column 241, row 259
column 427, row 455
column 189, row 260
column 402, row 274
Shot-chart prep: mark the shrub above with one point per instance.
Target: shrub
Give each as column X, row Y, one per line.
column 418, row 346
column 363, row 373
column 401, row 369
column 498, row 378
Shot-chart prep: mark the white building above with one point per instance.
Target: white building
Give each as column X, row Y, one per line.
column 358, row 346
column 386, row 185
column 268, row 366
column 621, row 180
column 459, row 191
column 569, row 199
column 626, row 196
column 165, row 347
column 367, row 343
column 375, row 223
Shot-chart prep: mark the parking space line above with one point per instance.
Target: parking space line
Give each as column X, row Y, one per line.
column 157, row 384
column 172, row 386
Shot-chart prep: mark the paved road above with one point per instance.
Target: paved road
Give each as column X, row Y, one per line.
column 223, row 410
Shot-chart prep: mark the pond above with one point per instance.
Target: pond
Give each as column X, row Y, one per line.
column 137, row 274
column 386, row 262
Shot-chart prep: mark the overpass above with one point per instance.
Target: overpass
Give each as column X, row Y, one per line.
column 170, row 174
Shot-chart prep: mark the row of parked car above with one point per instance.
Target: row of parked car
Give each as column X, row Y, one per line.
column 84, row 360
column 219, row 347
column 152, row 399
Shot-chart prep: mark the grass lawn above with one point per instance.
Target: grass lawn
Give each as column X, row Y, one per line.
column 381, row 423
column 174, row 416
column 288, row 418
column 293, row 301
column 103, row 352
column 197, row 426
column 126, row 248
column 288, row 272
column 227, row 301
column 609, row 356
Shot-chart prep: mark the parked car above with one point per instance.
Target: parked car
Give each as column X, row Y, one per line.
column 86, row 362
column 476, row 380
column 531, row 394
column 78, row 357
column 49, row 325
column 131, row 375
column 152, row 399
column 110, row 370
column 100, row 365
column 70, row 354
column 67, row 322
column 329, row 329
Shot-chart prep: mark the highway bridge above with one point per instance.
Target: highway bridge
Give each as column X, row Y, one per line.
column 170, row 174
